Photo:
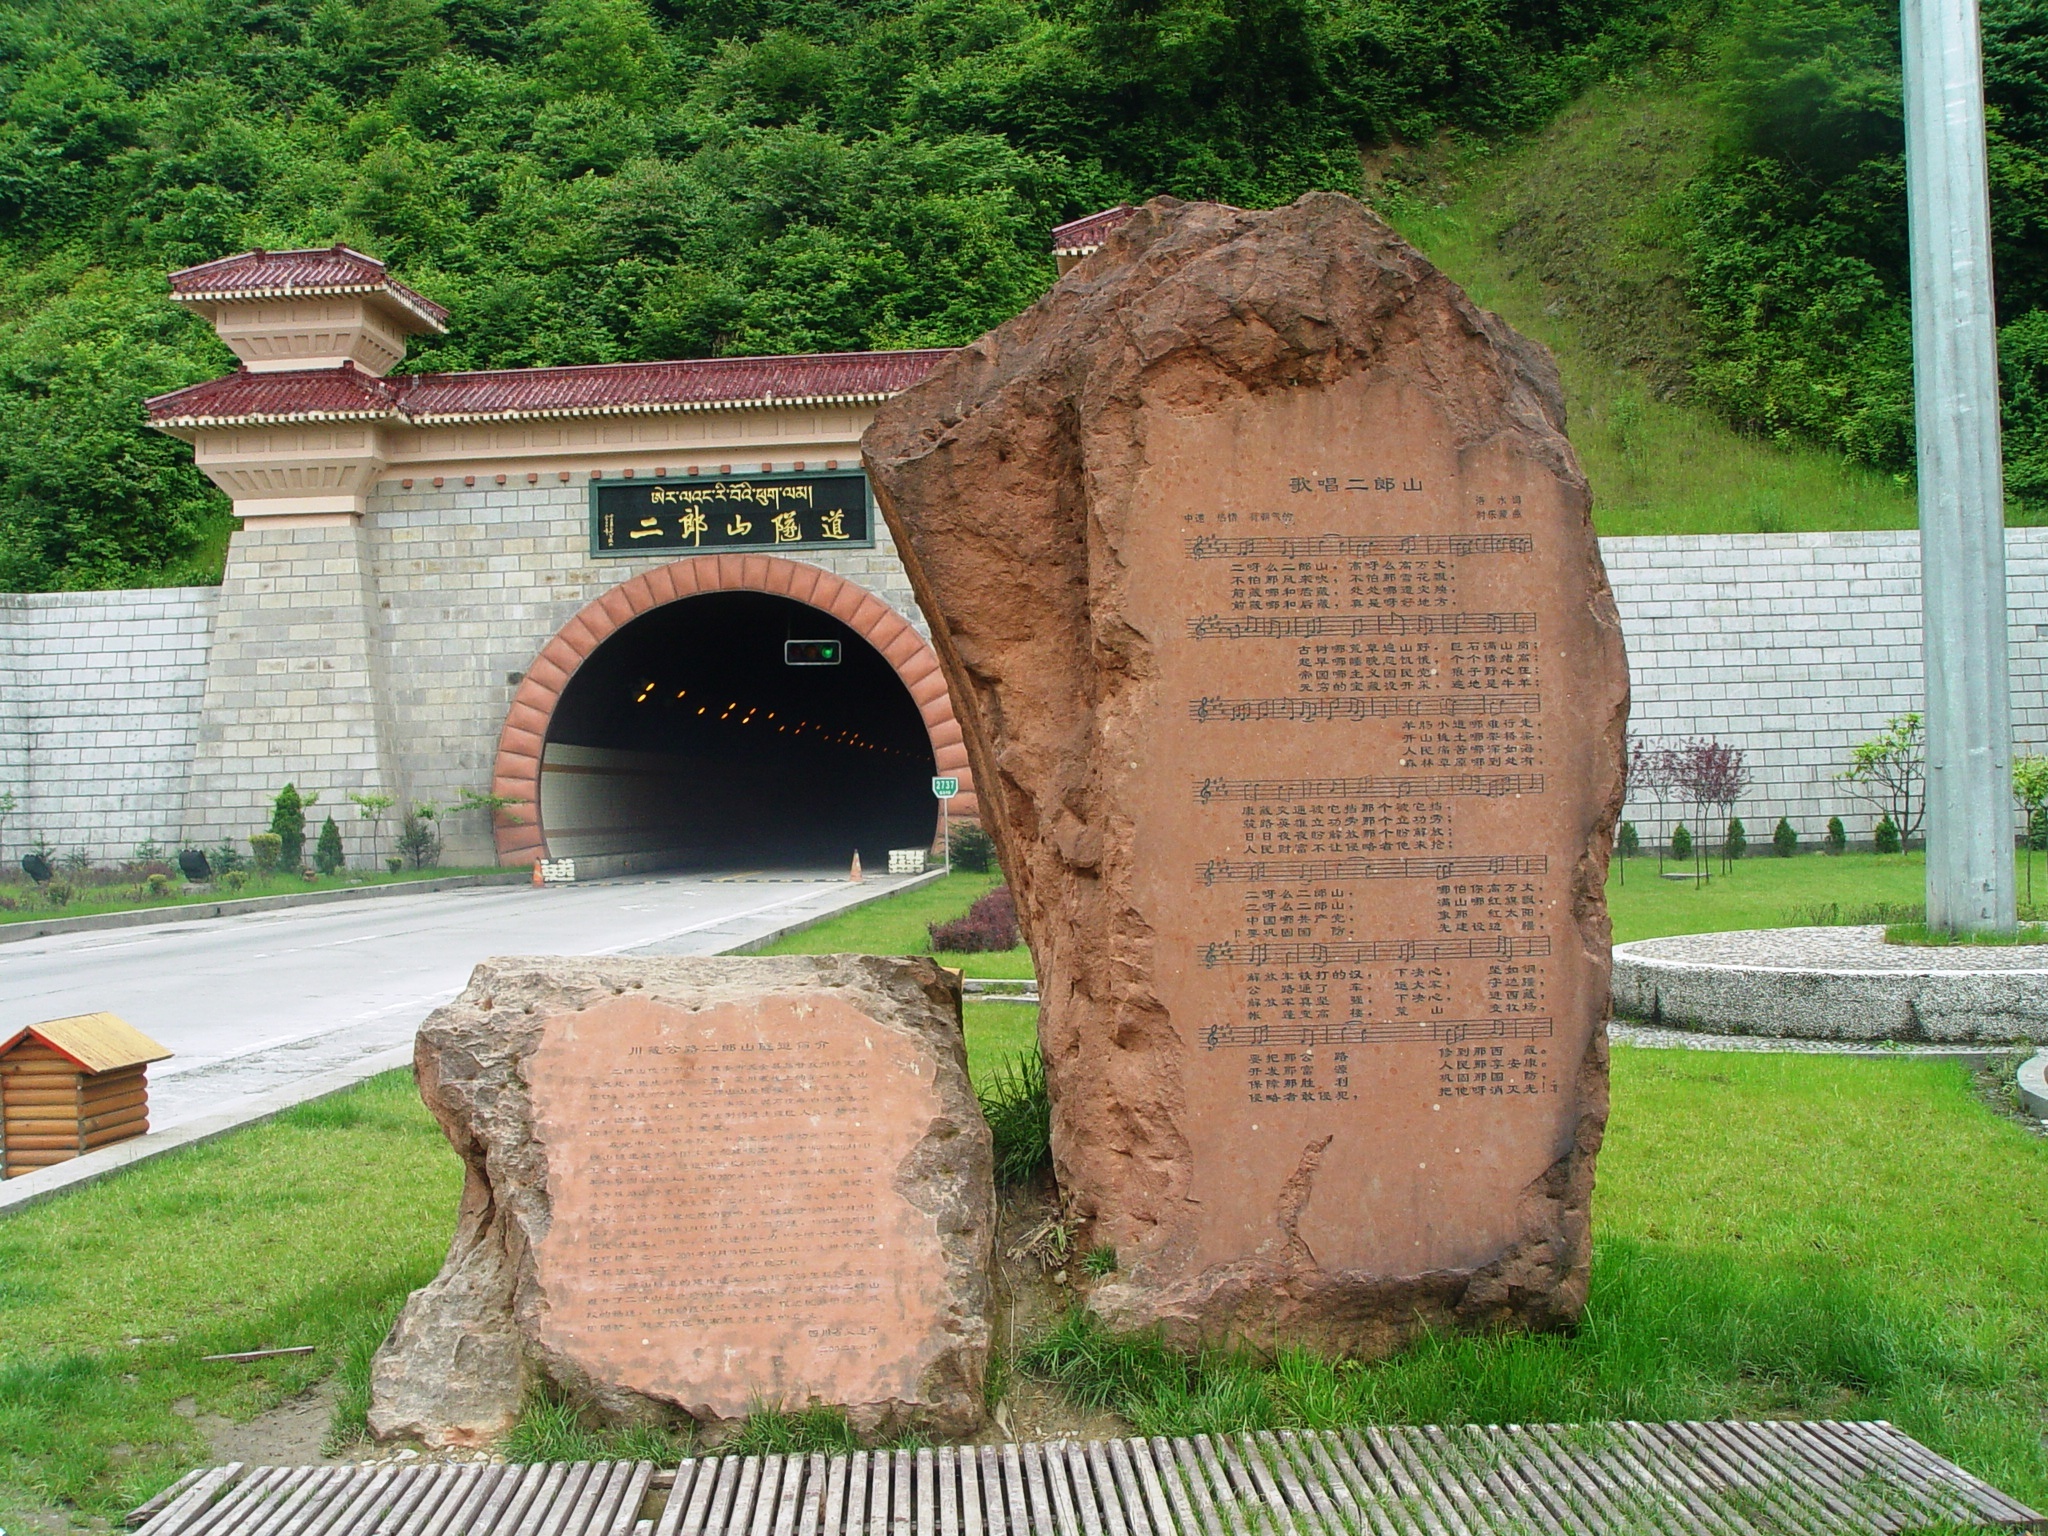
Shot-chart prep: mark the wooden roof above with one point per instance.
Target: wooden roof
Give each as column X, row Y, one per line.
column 98, row 1042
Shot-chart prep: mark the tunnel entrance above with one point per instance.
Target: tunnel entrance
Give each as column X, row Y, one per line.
column 689, row 739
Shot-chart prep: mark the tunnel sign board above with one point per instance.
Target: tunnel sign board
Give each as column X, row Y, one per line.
column 728, row 512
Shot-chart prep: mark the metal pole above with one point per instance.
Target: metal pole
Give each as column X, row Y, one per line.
column 1962, row 499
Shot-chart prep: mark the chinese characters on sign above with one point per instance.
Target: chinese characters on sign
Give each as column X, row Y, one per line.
column 663, row 517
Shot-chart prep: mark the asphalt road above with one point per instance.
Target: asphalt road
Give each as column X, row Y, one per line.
column 251, row 1004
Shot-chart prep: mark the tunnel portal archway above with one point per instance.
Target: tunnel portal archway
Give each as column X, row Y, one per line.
column 671, row 731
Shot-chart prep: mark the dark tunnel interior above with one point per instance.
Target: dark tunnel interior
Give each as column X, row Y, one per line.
column 688, row 738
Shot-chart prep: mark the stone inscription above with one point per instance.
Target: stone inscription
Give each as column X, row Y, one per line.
column 1366, row 656
column 727, row 1229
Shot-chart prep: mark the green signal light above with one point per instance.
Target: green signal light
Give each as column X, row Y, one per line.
column 811, row 653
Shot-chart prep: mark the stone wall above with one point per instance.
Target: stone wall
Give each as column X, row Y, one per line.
column 100, row 698
column 1795, row 647
column 386, row 655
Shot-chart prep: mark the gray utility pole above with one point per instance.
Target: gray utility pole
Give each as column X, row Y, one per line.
column 1962, row 498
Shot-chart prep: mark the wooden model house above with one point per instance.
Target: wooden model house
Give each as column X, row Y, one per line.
column 71, row 1085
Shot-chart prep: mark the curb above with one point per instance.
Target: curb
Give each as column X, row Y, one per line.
column 2033, row 1085
column 93, row 1166
column 198, row 911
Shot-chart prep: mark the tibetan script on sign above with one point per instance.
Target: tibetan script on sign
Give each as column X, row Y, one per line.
column 667, row 517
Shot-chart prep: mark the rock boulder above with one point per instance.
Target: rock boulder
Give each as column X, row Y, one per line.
column 700, row 1186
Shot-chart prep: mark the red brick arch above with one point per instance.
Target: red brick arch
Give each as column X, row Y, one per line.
column 516, row 774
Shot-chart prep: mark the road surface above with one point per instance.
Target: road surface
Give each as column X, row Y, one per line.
column 253, row 1004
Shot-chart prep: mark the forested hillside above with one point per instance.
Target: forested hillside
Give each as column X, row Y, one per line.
column 593, row 180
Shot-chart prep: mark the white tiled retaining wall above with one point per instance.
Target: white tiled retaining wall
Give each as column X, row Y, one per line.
column 1796, row 646
column 1792, row 646
column 99, row 710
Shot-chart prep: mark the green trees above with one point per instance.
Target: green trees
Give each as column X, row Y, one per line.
column 288, row 825
column 328, row 856
column 1784, row 841
column 1796, row 245
column 602, row 180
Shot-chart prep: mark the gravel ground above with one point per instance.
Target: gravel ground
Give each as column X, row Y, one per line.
column 1834, row 949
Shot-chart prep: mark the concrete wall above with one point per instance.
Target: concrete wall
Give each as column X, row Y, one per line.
column 385, row 655
column 1795, row 647
column 100, row 696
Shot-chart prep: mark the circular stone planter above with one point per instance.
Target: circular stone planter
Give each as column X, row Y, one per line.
column 1834, row 984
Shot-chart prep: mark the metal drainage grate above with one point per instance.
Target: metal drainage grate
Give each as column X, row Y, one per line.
column 1724, row 1479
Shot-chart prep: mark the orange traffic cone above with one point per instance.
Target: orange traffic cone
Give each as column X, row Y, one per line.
column 536, row 873
column 855, row 877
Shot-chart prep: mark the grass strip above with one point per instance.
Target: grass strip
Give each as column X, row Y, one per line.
column 21, row 903
column 1918, row 933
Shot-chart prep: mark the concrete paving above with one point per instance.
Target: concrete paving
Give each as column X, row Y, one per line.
column 254, row 1005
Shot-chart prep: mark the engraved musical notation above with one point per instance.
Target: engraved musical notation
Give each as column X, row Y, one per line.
column 1364, row 707
column 1290, row 871
column 1491, row 786
column 1375, row 1032
column 1213, row 547
column 1377, row 951
column 1311, row 626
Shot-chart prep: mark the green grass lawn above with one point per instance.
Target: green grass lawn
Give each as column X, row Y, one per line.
column 21, row 902
column 1764, row 891
column 1774, row 1235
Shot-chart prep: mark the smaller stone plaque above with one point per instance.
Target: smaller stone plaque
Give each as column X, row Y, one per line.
column 707, row 1186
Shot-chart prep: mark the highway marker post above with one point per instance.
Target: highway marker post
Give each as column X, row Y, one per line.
column 946, row 786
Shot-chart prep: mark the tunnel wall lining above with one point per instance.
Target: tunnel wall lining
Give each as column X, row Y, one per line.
column 520, row 830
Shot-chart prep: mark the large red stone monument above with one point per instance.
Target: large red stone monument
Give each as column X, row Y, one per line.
column 701, row 1187
column 1263, row 573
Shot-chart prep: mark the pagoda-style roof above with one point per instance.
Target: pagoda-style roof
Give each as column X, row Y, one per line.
column 325, row 271
column 98, row 1042
column 1084, row 237
column 427, row 399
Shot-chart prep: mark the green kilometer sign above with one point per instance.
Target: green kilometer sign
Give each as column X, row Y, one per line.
column 706, row 514
column 946, row 788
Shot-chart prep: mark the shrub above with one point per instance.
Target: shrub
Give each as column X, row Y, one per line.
column 233, row 879
column 990, row 924
column 226, row 859
column 1736, row 843
column 288, row 826
column 1885, row 836
column 394, row 864
column 1838, row 836
column 1784, row 840
column 150, row 851
column 58, row 893
column 2037, row 828
column 1681, row 842
column 327, row 855
column 1627, row 843
column 418, row 843
column 157, row 885
column 1019, row 1114
column 267, row 847
column 973, row 849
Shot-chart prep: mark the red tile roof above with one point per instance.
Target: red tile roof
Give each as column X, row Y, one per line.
column 273, row 274
column 348, row 393
column 309, row 394
column 1082, row 236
